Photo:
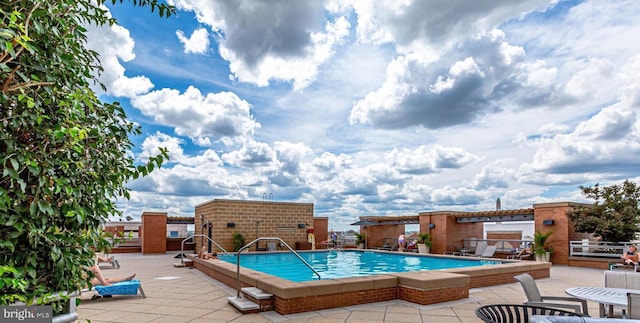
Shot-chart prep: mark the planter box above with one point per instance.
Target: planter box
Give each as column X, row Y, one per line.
column 423, row 248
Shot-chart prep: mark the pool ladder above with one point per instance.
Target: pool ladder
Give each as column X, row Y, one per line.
column 247, row 246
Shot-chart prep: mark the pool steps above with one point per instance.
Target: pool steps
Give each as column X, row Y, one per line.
column 255, row 300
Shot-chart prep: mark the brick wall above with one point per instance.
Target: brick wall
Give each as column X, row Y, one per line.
column 505, row 235
column 175, row 244
column 314, row 303
column 505, row 278
column 154, row 232
column 375, row 234
column 254, row 219
column 447, row 233
column 433, row 296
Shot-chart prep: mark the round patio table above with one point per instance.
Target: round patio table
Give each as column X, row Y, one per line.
column 603, row 296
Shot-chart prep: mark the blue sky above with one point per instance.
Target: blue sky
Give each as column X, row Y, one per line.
column 377, row 107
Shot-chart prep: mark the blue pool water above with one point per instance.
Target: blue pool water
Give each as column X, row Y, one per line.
column 340, row 264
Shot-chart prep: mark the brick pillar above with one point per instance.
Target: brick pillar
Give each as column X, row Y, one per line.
column 446, row 232
column 153, row 232
column 321, row 229
column 555, row 215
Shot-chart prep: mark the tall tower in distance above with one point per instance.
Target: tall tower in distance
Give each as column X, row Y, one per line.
column 498, row 206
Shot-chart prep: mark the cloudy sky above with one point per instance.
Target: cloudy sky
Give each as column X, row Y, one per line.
column 377, row 107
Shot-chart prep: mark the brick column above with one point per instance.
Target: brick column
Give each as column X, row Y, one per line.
column 557, row 220
column 153, row 232
column 446, row 232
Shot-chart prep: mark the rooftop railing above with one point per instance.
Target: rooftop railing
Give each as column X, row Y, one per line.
column 580, row 248
column 599, row 249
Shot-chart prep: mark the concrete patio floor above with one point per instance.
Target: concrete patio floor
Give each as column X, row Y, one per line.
column 179, row 294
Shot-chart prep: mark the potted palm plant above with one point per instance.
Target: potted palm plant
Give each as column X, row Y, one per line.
column 360, row 240
column 238, row 241
column 424, row 243
column 540, row 247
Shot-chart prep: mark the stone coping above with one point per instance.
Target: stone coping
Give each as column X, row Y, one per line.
column 421, row 280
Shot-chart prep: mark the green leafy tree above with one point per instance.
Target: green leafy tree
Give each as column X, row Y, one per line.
column 615, row 214
column 64, row 155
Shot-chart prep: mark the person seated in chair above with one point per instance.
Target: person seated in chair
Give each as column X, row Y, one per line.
column 412, row 246
column 104, row 259
column 524, row 254
column 203, row 254
column 631, row 256
column 99, row 279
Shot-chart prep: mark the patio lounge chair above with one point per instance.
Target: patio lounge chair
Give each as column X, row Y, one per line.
column 457, row 251
column 489, row 251
column 534, row 297
column 480, row 247
column 272, row 246
column 111, row 260
column 131, row 287
column 524, row 254
column 390, row 244
column 508, row 313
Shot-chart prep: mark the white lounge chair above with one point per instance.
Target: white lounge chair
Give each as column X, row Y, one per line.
column 272, row 246
column 489, row 251
column 480, row 247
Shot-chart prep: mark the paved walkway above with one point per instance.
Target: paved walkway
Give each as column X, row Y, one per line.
column 178, row 294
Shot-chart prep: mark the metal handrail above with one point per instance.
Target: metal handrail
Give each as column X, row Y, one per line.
column 198, row 235
column 247, row 246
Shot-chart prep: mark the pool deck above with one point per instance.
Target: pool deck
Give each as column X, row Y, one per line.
column 180, row 294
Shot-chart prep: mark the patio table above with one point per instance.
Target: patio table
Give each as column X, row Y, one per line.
column 602, row 295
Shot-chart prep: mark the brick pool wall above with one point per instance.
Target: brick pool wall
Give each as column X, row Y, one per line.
column 421, row 287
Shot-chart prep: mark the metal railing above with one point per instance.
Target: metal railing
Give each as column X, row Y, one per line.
column 199, row 235
column 503, row 245
column 248, row 245
column 586, row 248
column 581, row 248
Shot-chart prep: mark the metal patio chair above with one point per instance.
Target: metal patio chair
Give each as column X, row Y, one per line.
column 535, row 298
column 513, row 313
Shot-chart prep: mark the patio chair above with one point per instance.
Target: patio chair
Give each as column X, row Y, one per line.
column 524, row 254
column 412, row 245
column 508, row 313
column 456, row 252
column 110, row 260
column 488, row 252
column 622, row 266
column 620, row 279
column 480, row 246
column 390, row 244
column 131, row 287
column 535, row 298
column 633, row 306
column 272, row 246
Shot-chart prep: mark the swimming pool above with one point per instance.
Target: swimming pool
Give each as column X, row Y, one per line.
column 346, row 263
